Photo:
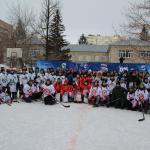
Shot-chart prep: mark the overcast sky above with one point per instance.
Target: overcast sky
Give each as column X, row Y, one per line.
column 82, row 16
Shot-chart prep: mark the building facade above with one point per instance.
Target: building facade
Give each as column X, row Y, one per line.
column 6, row 32
column 89, row 53
column 133, row 51
column 33, row 50
column 103, row 40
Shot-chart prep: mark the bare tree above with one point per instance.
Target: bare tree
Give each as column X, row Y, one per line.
column 138, row 16
column 43, row 26
column 21, row 17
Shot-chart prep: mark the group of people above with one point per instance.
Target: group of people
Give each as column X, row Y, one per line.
column 130, row 90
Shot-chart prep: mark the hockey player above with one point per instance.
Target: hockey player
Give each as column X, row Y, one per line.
column 141, row 96
column 85, row 90
column 36, row 94
column 93, row 92
column 27, row 92
column 65, row 92
column 43, row 77
column 13, row 80
column 4, row 80
column 23, row 80
column 49, row 93
column 104, row 93
column 131, row 101
column 31, row 74
column 118, row 97
column 123, row 83
column 5, row 98
column 146, row 83
column 58, row 86
column 111, row 84
column 73, row 91
column 78, row 94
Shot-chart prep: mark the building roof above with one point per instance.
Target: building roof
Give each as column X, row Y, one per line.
column 32, row 40
column 3, row 23
column 36, row 41
column 133, row 42
column 88, row 48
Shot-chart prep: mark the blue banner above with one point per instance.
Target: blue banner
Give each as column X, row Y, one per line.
column 92, row 66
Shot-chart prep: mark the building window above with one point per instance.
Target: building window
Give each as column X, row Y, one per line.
column 145, row 54
column 125, row 53
column 34, row 52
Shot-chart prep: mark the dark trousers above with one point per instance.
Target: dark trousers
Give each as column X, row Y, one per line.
column 144, row 106
column 4, row 89
column 49, row 100
column 20, row 90
column 14, row 95
column 36, row 96
column 120, row 103
column 27, row 99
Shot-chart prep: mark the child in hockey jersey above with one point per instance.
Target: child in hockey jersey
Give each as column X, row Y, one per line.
column 93, row 92
column 23, row 80
column 27, row 92
column 104, row 93
column 31, row 74
column 36, row 94
column 5, row 98
column 65, row 92
column 4, row 80
column 77, row 94
column 123, row 83
column 141, row 96
column 49, row 93
column 73, row 91
column 58, row 86
column 13, row 80
column 131, row 101
column 85, row 90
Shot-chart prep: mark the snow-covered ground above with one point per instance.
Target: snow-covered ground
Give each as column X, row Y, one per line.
column 38, row 127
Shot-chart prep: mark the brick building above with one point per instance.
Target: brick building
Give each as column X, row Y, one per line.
column 6, row 32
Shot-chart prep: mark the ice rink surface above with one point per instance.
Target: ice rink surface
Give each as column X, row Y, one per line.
column 81, row 127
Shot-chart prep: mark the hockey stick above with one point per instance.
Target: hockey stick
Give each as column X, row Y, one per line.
column 16, row 100
column 142, row 119
column 67, row 106
column 112, row 101
column 6, row 103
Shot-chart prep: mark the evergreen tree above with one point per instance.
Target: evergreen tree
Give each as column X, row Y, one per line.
column 58, row 44
column 82, row 40
column 20, row 31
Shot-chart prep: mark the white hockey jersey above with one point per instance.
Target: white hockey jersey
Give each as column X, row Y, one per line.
column 141, row 95
column 31, row 76
column 35, row 89
column 4, row 80
column 27, row 90
column 24, row 78
column 103, row 92
column 13, row 79
column 93, row 91
column 48, row 90
column 4, row 97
